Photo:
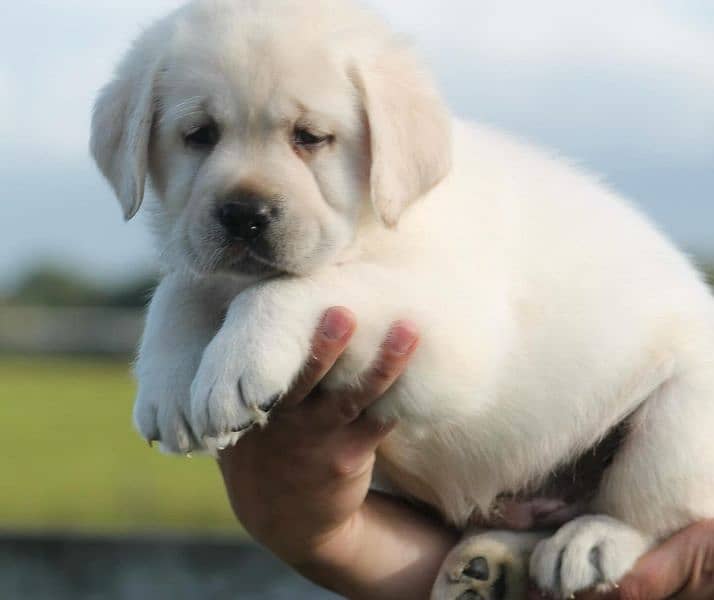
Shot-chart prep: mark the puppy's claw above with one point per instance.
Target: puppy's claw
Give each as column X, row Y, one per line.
column 272, row 403
column 219, row 443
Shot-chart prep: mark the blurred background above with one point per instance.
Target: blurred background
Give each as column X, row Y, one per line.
column 624, row 88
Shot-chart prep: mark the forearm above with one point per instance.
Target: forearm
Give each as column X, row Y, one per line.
column 393, row 552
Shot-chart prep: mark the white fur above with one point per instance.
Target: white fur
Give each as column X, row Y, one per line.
column 549, row 308
column 506, row 554
column 589, row 552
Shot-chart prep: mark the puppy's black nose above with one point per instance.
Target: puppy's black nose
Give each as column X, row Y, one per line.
column 244, row 219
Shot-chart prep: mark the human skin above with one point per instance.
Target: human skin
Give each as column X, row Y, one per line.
column 681, row 568
column 300, row 487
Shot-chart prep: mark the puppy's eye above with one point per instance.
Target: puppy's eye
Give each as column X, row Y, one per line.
column 303, row 137
column 204, row 137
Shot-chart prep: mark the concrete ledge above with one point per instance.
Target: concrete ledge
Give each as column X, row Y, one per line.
column 171, row 568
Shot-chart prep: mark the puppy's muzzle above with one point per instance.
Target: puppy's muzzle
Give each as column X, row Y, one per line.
column 245, row 216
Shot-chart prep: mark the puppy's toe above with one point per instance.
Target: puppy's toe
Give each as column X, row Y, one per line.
column 175, row 435
column 146, row 420
column 235, row 391
column 218, row 410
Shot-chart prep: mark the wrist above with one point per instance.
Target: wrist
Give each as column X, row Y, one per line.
column 330, row 558
column 386, row 551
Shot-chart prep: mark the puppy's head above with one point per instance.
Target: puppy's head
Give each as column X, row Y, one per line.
column 266, row 128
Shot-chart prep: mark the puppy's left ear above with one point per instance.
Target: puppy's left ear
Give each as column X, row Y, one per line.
column 121, row 128
column 409, row 131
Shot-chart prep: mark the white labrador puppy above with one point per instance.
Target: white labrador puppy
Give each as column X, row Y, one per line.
column 301, row 159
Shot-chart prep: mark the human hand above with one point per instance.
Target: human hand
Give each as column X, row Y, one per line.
column 300, row 486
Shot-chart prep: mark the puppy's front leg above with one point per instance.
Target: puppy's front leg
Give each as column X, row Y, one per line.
column 183, row 316
column 254, row 358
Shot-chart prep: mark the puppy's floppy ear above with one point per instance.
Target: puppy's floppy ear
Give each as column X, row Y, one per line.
column 409, row 129
column 121, row 127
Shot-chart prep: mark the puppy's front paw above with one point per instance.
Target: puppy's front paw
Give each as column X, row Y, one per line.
column 589, row 552
column 162, row 410
column 241, row 378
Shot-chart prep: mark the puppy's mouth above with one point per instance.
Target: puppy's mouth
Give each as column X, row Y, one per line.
column 245, row 260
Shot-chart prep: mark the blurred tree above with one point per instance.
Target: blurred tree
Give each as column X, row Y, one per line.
column 52, row 285
column 135, row 294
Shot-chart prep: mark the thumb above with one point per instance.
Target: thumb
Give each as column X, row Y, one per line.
column 681, row 568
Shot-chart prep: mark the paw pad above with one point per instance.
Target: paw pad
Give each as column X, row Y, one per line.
column 478, row 569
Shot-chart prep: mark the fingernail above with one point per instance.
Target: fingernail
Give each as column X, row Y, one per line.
column 403, row 337
column 335, row 325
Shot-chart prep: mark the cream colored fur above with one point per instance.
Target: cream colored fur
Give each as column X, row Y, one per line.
column 549, row 308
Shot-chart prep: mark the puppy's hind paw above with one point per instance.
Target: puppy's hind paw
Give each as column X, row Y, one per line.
column 593, row 551
column 486, row 566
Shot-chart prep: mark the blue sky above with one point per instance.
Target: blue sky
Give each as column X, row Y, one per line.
column 623, row 87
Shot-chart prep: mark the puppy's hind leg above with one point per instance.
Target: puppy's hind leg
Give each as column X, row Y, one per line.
column 487, row 565
column 660, row 480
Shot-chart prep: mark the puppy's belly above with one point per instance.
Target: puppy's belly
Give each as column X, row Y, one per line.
column 562, row 495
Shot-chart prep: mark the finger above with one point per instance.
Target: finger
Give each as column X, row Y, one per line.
column 341, row 408
column 333, row 334
column 700, row 592
column 367, row 433
column 701, row 581
column 355, row 455
column 662, row 572
column 676, row 569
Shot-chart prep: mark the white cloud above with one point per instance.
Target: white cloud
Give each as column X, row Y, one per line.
column 7, row 101
column 623, row 78
column 62, row 53
column 551, row 32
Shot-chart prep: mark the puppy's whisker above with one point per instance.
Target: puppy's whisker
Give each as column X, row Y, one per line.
column 214, row 260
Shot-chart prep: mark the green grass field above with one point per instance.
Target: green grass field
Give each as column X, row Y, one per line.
column 71, row 460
